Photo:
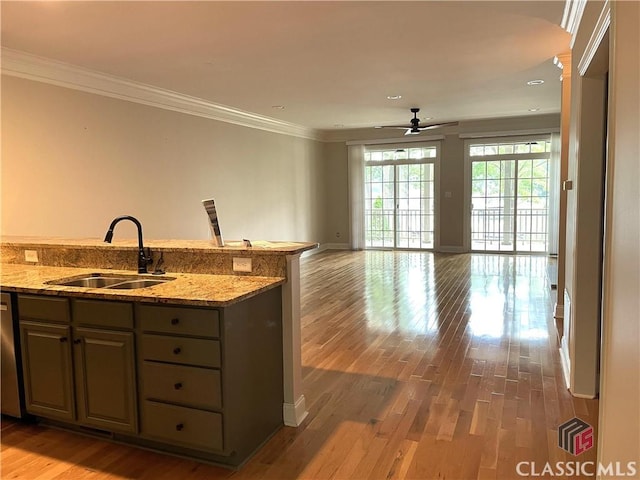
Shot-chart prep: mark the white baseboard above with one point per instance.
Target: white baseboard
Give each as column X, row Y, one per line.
column 294, row 414
column 566, row 362
column 582, row 395
column 337, row 246
column 558, row 310
column 326, row 246
column 450, row 249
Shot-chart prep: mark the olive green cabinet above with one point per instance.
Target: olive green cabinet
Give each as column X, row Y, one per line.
column 79, row 361
column 47, row 366
column 195, row 381
column 45, row 339
column 211, row 382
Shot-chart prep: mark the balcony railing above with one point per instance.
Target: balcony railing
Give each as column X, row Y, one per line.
column 494, row 226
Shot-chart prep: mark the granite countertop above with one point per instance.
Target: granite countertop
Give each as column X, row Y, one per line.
column 258, row 246
column 186, row 289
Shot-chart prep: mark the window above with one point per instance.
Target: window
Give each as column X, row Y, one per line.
column 510, row 190
column 399, row 192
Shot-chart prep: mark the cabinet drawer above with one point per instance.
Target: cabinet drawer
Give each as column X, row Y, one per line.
column 53, row 309
column 186, row 351
column 102, row 314
column 182, row 426
column 190, row 386
column 198, row 322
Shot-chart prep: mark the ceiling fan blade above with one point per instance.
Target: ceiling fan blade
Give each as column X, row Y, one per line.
column 412, row 131
column 438, row 125
column 399, row 127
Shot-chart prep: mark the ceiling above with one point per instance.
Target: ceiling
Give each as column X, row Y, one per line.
column 331, row 64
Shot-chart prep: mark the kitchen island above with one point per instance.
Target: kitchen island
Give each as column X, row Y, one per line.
column 224, row 326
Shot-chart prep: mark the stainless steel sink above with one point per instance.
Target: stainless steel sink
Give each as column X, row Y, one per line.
column 90, row 282
column 139, row 283
column 99, row 280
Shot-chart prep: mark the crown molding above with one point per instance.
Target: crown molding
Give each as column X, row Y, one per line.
column 510, row 133
column 573, row 10
column 24, row 65
column 599, row 31
column 383, row 141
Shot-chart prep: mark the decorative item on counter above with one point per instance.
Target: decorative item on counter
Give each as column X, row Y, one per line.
column 210, row 207
column 246, row 242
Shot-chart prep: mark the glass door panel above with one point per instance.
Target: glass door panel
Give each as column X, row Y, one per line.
column 509, row 205
column 399, row 205
column 379, row 193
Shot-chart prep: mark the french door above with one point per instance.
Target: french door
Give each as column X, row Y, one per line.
column 510, row 197
column 400, row 203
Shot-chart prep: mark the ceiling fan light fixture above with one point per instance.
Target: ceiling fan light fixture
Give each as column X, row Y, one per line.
column 414, row 127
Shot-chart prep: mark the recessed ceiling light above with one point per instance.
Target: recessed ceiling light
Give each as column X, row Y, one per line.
column 338, row 125
column 278, row 107
column 424, row 119
column 535, row 82
column 534, row 109
column 394, row 97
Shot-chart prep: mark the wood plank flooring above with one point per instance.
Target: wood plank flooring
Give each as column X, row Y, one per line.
column 416, row 365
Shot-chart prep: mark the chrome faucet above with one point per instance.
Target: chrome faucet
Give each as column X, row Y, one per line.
column 143, row 259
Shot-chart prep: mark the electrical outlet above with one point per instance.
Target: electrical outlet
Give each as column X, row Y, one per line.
column 338, row 234
column 31, row 256
column 242, row 264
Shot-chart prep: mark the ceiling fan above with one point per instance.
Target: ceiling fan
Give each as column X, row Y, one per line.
column 415, row 127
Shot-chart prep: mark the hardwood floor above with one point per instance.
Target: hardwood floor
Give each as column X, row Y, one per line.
column 416, row 365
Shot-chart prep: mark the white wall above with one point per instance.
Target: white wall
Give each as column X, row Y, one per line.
column 619, row 432
column 72, row 161
column 585, row 211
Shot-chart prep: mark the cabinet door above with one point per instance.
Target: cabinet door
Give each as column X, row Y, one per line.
column 46, row 357
column 105, row 379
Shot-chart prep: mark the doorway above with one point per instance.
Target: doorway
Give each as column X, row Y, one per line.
column 510, row 195
column 399, row 192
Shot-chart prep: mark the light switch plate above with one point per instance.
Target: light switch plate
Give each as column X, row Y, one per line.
column 242, row 264
column 31, row 256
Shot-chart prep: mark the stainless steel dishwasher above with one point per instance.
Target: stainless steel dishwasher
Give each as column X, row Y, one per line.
column 11, row 399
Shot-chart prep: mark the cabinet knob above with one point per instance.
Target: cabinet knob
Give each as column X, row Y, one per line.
column 77, row 341
column 177, row 386
column 179, row 427
column 63, row 339
column 177, row 350
column 175, row 321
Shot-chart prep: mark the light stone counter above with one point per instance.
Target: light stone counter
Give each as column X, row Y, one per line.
column 186, row 256
column 206, row 277
column 186, row 289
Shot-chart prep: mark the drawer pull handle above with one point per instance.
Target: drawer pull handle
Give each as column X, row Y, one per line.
column 77, row 341
column 178, row 386
column 179, row 427
column 63, row 339
column 175, row 321
column 177, row 350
